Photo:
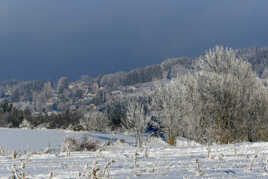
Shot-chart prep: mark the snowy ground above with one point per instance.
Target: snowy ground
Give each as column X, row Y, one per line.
column 245, row 160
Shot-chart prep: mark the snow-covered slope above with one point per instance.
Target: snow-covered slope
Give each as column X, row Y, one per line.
column 156, row 160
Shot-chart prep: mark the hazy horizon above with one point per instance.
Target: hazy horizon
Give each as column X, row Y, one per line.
column 48, row 39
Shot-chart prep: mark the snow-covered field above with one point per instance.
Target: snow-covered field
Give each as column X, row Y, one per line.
column 122, row 160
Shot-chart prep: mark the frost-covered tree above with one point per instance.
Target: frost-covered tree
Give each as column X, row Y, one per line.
column 137, row 116
column 94, row 120
column 171, row 107
column 231, row 97
column 223, row 101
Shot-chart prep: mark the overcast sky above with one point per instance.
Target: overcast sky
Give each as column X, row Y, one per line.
column 46, row 39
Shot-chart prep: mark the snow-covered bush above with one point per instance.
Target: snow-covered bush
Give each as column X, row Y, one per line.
column 94, row 120
column 72, row 144
column 222, row 101
column 232, row 99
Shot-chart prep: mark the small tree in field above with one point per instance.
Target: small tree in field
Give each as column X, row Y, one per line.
column 171, row 107
column 137, row 116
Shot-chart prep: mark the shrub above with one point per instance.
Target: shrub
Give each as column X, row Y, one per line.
column 223, row 101
column 232, row 100
column 72, row 144
column 94, row 120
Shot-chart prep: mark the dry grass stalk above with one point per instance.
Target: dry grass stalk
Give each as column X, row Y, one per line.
column 220, row 158
column 199, row 171
column 19, row 173
column 267, row 165
column 235, row 150
column 14, row 155
column 106, row 169
column 97, row 172
column 48, row 149
column 68, row 153
column 135, row 159
column 252, row 162
column 92, row 174
column 209, row 150
column 2, row 152
column 146, row 152
column 51, row 175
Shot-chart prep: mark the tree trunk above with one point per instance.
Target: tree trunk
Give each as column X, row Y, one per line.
column 138, row 139
column 171, row 138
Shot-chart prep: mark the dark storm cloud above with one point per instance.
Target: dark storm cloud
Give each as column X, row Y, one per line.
column 44, row 39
